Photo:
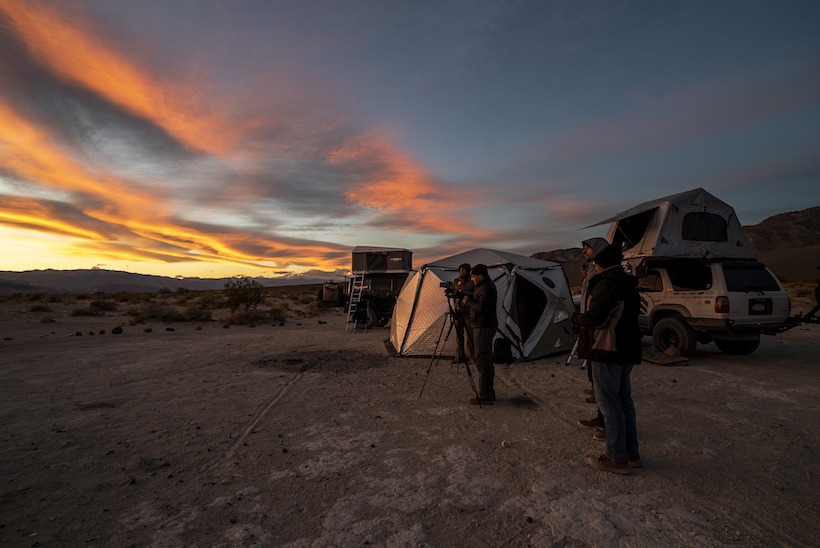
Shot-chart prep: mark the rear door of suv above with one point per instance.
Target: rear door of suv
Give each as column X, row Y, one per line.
column 755, row 295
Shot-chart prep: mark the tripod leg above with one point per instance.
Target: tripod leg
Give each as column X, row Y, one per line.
column 436, row 352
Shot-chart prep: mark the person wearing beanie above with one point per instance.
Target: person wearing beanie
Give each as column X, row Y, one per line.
column 482, row 305
column 610, row 339
column 463, row 285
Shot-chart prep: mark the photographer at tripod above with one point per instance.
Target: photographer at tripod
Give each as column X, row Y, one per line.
column 482, row 306
column 462, row 286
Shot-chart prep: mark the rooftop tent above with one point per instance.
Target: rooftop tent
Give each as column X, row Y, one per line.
column 692, row 224
column 534, row 305
column 371, row 259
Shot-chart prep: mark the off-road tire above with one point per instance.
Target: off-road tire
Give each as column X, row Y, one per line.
column 382, row 322
column 372, row 316
column 674, row 332
column 738, row 347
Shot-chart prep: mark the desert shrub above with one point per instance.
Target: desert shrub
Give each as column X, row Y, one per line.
column 306, row 298
column 85, row 311
column 40, row 307
column 256, row 315
column 311, row 309
column 211, row 300
column 103, row 305
column 196, row 314
column 156, row 311
column 244, row 317
column 278, row 312
column 55, row 298
column 132, row 298
column 241, row 292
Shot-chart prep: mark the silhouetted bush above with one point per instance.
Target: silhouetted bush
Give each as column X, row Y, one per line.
column 85, row 311
column 243, row 292
column 39, row 308
column 196, row 314
column 103, row 306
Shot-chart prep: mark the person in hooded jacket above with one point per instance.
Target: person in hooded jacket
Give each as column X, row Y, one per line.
column 610, row 339
column 483, row 319
column 589, row 249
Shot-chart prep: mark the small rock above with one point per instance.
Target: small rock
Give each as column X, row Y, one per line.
column 147, row 330
column 117, row 330
column 169, row 329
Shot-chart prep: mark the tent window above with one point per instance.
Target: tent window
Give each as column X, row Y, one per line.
column 632, row 229
column 704, row 227
column 549, row 283
column 530, row 302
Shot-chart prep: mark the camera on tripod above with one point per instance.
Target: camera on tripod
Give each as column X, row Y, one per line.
column 451, row 292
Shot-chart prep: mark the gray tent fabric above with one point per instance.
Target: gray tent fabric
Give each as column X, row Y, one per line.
column 691, row 224
column 534, row 305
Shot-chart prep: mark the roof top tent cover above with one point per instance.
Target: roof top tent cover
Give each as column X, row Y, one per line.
column 369, row 260
column 533, row 308
column 692, row 224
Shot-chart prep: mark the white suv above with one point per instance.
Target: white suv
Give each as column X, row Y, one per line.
column 730, row 302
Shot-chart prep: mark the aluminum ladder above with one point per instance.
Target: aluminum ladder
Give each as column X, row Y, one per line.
column 356, row 290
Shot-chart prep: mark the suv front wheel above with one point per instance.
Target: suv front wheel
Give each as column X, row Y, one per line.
column 673, row 332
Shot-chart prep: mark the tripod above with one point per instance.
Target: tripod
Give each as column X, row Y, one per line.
column 439, row 348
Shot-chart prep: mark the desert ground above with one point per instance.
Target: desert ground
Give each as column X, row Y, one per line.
column 301, row 433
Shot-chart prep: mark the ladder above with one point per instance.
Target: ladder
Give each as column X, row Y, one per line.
column 356, row 290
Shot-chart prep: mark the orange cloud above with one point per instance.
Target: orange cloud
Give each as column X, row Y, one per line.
column 129, row 216
column 394, row 183
column 79, row 57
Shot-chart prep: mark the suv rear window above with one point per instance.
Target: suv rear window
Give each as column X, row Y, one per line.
column 690, row 277
column 748, row 277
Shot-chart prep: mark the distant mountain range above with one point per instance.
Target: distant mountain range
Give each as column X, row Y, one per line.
column 113, row 281
column 788, row 243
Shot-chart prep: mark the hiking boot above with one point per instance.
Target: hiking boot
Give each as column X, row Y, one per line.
column 592, row 424
column 599, row 435
column 634, row 462
column 603, row 463
column 482, row 401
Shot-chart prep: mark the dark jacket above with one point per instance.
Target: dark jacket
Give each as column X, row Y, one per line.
column 482, row 305
column 609, row 327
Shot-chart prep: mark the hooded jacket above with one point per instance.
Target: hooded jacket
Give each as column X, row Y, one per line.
column 609, row 329
column 483, row 305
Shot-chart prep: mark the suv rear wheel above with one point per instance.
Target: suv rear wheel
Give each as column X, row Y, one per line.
column 673, row 332
column 740, row 347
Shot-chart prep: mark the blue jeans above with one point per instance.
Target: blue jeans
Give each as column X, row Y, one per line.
column 613, row 392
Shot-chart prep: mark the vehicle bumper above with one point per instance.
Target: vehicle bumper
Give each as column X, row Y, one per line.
column 729, row 326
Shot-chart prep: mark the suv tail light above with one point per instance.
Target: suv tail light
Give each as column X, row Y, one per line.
column 722, row 305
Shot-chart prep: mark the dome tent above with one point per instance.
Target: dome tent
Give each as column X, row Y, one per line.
column 534, row 305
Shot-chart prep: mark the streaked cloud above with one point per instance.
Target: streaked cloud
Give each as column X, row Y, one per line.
column 272, row 138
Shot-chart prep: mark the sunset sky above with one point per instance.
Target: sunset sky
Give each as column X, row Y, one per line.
column 263, row 138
